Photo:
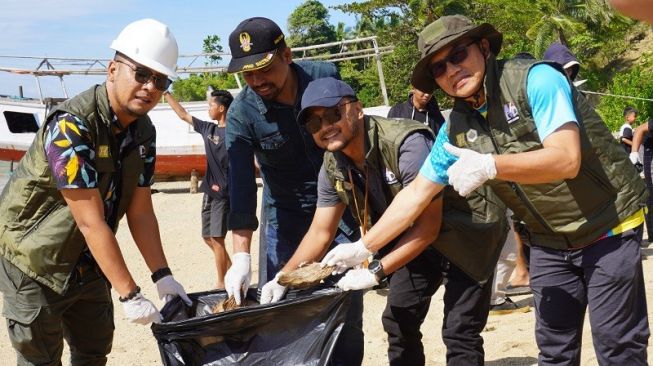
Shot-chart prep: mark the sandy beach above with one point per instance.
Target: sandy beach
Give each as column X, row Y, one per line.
column 509, row 339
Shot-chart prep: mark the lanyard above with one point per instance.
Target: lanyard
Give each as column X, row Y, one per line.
column 353, row 191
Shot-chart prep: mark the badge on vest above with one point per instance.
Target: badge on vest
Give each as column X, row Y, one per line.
column 510, row 111
column 342, row 186
column 141, row 150
column 460, row 140
column 471, row 135
column 103, row 151
column 390, row 177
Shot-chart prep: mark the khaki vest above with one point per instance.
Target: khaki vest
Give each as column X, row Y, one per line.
column 37, row 231
column 562, row 214
column 473, row 229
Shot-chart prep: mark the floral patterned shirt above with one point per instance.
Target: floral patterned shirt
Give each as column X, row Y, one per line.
column 71, row 157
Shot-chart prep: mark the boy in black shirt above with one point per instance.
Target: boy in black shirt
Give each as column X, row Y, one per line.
column 215, row 204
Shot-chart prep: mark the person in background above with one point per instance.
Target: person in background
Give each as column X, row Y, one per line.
column 642, row 138
column 262, row 122
column 215, row 203
column 521, row 128
column 509, row 262
column 626, row 130
column 559, row 53
column 91, row 162
column 420, row 107
column 368, row 160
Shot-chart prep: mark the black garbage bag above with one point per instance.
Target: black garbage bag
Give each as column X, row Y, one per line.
column 302, row 329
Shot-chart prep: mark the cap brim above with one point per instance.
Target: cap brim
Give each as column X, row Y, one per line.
column 322, row 102
column 421, row 78
column 251, row 62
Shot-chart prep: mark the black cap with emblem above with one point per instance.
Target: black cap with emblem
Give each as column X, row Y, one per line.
column 253, row 44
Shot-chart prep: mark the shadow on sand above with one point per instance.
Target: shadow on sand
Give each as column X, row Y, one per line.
column 513, row 361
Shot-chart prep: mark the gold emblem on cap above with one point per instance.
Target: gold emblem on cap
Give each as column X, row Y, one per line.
column 245, row 42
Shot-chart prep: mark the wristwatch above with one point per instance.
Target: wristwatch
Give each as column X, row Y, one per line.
column 376, row 268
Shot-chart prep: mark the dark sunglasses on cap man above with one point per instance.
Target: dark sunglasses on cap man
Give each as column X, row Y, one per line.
column 143, row 75
column 331, row 115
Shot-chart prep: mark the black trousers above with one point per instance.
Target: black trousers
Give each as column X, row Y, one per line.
column 648, row 171
column 466, row 307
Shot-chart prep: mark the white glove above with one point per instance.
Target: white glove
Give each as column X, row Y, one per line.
column 634, row 157
column 237, row 278
column 344, row 256
column 140, row 310
column 471, row 170
column 168, row 288
column 357, row 279
column 273, row 291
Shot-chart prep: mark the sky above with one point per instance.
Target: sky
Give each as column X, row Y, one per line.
column 85, row 29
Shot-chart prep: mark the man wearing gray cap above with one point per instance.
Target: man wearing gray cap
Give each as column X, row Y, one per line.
column 262, row 122
column 368, row 160
column 91, row 163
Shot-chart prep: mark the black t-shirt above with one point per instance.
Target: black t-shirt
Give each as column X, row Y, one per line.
column 215, row 181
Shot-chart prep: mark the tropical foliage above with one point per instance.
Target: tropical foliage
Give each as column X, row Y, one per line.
column 588, row 27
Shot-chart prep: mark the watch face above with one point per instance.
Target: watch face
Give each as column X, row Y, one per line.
column 374, row 266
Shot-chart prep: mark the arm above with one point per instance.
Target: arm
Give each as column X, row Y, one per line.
column 638, row 9
column 87, row 209
column 407, row 205
column 638, row 137
column 423, row 232
column 558, row 159
column 319, row 236
column 181, row 112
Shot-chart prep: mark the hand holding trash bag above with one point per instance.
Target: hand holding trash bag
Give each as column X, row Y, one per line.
column 237, row 278
column 168, row 288
column 346, row 256
column 140, row 310
column 273, row 291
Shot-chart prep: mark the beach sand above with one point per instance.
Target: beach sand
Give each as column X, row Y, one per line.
column 509, row 339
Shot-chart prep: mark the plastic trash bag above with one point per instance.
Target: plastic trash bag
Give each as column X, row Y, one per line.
column 302, row 329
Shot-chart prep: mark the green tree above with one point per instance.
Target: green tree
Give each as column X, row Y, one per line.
column 636, row 82
column 194, row 87
column 309, row 24
column 211, row 44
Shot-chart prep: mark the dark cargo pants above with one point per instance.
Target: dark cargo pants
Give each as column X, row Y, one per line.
column 607, row 277
column 38, row 319
column 466, row 308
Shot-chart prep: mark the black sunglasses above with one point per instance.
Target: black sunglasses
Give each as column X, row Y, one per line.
column 143, row 75
column 331, row 115
column 455, row 57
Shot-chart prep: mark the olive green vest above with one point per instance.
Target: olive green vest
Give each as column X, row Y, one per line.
column 37, row 231
column 563, row 214
column 473, row 229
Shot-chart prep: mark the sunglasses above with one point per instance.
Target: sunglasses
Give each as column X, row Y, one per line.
column 455, row 57
column 143, row 75
column 330, row 116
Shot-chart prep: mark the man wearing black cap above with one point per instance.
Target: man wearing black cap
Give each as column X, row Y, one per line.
column 262, row 122
column 369, row 159
column 520, row 127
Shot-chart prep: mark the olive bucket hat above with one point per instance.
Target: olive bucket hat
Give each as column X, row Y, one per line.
column 442, row 33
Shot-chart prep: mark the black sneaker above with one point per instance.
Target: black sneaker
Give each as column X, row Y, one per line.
column 508, row 307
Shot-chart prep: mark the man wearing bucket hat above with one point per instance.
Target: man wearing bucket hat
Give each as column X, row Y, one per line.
column 262, row 122
column 91, row 163
column 521, row 128
column 369, row 159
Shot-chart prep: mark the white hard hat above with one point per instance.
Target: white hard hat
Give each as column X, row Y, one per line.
column 151, row 44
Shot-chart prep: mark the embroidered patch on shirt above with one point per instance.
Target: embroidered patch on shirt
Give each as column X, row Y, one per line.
column 471, row 135
column 103, row 151
column 460, row 140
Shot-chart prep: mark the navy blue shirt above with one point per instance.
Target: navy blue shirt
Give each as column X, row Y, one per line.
column 289, row 159
column 215, row 181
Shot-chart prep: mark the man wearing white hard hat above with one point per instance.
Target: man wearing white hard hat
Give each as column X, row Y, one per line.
column 91, row 163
